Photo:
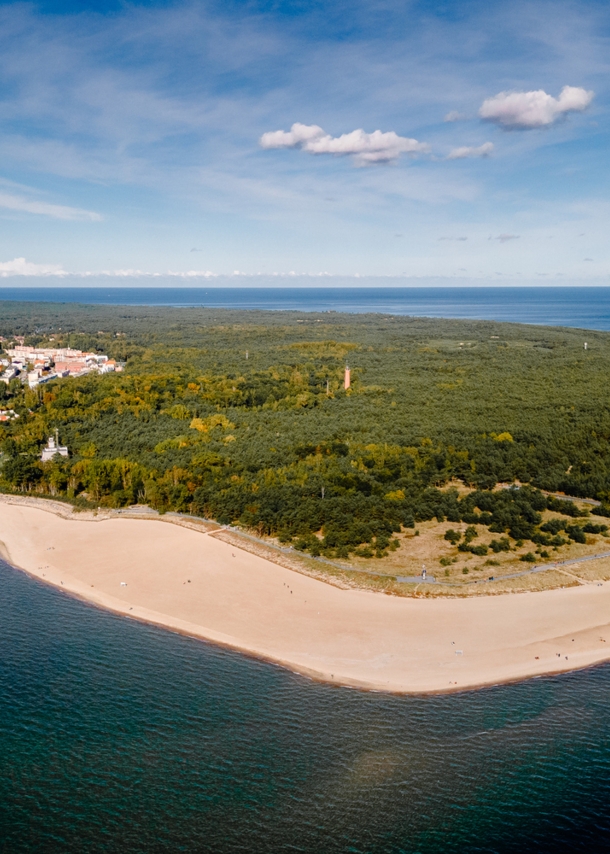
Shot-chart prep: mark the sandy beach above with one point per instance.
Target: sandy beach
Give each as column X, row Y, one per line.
column 191, row 582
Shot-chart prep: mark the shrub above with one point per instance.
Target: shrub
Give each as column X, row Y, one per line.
column 590, row 528
column 568, row 508
column 501, row 545
column 553, row 526
column 576, row 533
column 479, row 550
column 530, row 557
column 470, row 534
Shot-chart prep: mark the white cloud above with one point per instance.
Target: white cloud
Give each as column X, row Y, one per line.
column 130, row 273
column 193, row 274
column 21, row 267
column 18, row 203
column 504, row 238
column 526, row 110
column 455, row 116
column 469, row 151
column 297, row 135
column 376, row 147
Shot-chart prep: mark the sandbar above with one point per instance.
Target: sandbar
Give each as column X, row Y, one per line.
column 190, row 582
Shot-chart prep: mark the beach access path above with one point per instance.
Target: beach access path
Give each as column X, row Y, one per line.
column 190, row 582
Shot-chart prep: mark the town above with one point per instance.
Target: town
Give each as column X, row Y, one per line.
column 36, row 365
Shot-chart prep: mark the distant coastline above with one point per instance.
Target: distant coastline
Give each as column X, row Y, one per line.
column 582, row 306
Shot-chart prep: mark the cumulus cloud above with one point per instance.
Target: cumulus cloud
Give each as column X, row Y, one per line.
column 297, row 135
column 525, row 110
column 21, row 267
column 18, row 203
column 471, row 151
column 366, row 148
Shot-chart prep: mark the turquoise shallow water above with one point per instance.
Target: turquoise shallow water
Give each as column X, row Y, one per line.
column 121, row 737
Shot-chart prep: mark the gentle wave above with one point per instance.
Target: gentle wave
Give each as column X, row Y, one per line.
column 119, row 737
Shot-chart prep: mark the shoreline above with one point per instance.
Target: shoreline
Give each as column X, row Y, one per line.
column 184, row 579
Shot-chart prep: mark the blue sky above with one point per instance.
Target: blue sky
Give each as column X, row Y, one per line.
column 141, row 137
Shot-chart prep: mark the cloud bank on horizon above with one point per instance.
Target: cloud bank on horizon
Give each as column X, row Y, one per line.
column 130, row 135
column 21, row 267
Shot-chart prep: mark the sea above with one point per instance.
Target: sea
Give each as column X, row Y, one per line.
column 583, row 307
column 124, row 738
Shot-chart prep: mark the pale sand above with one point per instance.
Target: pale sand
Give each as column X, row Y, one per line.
column 348, row 637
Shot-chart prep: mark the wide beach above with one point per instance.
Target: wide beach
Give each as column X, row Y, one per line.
column 193, row 583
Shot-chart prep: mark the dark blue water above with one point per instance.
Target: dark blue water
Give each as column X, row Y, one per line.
column 120, row 737
column 583, row 307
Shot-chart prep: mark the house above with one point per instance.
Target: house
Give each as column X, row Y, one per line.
column 47, row 363
column 9, row 374
column 34, row 378
column 52, row 449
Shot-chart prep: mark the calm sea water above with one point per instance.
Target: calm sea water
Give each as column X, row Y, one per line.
column 584, row 307
column 120, row 737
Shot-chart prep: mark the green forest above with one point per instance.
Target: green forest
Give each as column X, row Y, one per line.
column 241, row 417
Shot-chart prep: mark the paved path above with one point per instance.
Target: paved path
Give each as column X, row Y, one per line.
column 540, row 568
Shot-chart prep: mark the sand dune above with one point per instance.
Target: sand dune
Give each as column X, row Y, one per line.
column 193, row 583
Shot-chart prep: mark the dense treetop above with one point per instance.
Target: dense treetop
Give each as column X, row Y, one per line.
column 241, row 416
